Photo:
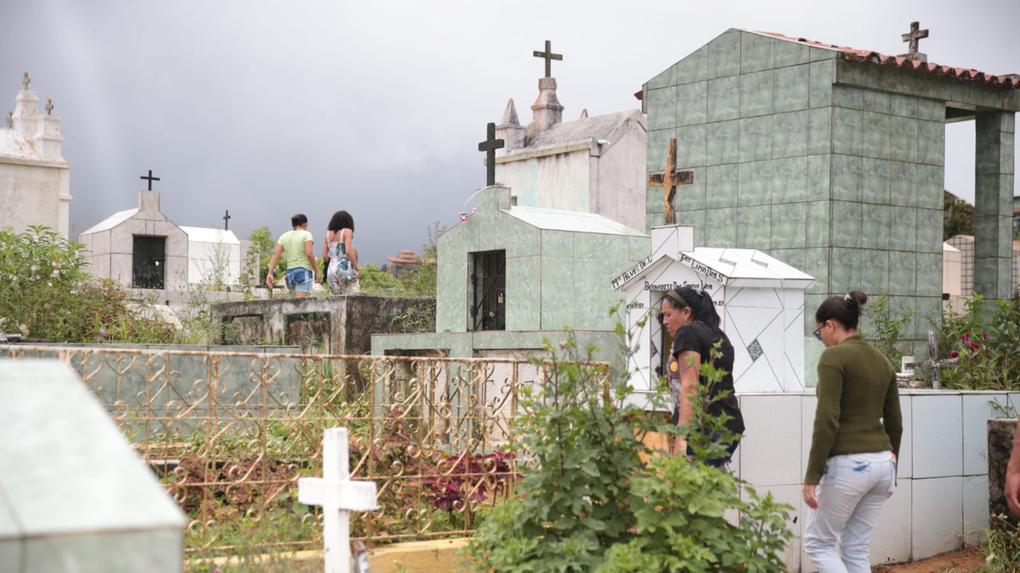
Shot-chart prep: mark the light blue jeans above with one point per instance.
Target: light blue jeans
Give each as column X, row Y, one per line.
column 850, row 496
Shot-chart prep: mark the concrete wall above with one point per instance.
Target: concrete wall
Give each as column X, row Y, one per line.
column 211, row 263
column 619, row 177
column 333, row 324
column 34, row 193
column 942, row 496
column 552, row 180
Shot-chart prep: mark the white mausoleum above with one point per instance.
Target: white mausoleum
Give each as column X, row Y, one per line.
column 760, row 301
column 34, row 177
column 592, row 164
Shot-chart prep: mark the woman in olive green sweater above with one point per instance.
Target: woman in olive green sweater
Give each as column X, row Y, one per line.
column 851, row 470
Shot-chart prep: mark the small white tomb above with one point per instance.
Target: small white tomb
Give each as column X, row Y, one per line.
column 760, row 301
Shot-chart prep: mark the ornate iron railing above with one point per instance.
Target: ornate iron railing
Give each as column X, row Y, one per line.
column 229, row 434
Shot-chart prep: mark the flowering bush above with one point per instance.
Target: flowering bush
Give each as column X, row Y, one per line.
column 46, row 293
column 986, row 340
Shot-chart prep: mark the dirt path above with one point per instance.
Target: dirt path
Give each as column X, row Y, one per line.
column 965, row 561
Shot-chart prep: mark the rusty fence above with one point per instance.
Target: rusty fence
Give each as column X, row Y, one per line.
column 230, row 433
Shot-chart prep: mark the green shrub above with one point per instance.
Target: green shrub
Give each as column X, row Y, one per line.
column 889, row 326
column 46, row 293
column 587, row 502
column 984, row 339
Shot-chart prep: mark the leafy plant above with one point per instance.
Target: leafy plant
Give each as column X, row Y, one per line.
column 588, row 503
column 45, row 292
column 1002, row 550
column 984, row 339
column 889, row 326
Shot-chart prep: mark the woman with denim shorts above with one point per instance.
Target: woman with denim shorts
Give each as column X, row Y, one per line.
column 296, row 248
column 851, row 470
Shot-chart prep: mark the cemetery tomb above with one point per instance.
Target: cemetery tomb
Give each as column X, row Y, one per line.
column 760, row 301
column 74, row 496
column 510, row 277
column 139, row 248
column 35, row 184
column 590, row 164
column 832, row 159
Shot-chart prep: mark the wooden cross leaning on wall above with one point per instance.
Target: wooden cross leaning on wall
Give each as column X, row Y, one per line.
column 668, row 179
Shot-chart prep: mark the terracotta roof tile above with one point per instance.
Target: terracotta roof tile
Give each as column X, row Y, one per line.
column 1009, row 81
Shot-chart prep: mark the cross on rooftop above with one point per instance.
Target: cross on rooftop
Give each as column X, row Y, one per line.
column 338, row 495
column 913, row 39
column 25, row 80
column 226, row 220
column 150, row 178
column 489, row 146
column 668, row 180
column 548, row 56
column 49, row 106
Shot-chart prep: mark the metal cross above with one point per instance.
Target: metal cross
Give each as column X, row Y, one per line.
column 913, row 39
column 49, row 106
column 668, row 180
column 150, row 178
column 25, row 80
column 548, row 56
column 489, row 146
column 226, row 220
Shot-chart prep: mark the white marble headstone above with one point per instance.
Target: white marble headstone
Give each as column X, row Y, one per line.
column 74, row 496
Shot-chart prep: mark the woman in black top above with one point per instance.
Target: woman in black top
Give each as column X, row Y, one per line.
column 691, row 319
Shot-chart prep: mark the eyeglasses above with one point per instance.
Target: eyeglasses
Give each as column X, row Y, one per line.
column 817, row 333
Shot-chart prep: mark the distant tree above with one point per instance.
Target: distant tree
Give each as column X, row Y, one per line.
column 957, row 216
column 421, row 280
column 375, row 281
column 262, row 239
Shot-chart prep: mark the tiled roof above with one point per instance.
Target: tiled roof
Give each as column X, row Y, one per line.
column 1010, row 81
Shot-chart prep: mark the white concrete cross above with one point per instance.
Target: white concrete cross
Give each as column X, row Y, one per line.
column 338, row 495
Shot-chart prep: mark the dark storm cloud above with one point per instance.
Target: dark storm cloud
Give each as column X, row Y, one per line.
column 269, row 108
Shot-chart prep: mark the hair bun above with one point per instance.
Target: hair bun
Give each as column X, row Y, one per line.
column 856, row 298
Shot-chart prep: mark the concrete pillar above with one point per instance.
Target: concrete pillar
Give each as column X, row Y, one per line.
column 993, row 194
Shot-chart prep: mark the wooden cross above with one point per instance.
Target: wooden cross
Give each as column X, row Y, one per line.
column 489, row 146
column 25, row 80
column 150, row 178
column 913, row 39
column 668, row 180
column 49, row 106
column 548, row 56
column 338, row 495
column 226, row 220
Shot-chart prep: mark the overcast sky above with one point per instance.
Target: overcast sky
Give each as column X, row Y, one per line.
column 268, row 108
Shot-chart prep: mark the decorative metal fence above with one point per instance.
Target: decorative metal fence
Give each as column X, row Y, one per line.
column 230, row 433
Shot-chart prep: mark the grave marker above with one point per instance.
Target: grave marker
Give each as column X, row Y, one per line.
column 338, row 495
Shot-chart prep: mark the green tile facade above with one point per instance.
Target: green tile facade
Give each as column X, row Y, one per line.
column 836, row 167
column 555, row 279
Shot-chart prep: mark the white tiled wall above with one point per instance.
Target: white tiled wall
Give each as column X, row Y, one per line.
column 938, row 428
column 942, row 495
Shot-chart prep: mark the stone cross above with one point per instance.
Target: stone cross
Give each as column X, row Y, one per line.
column 338, row 495
column 489, row 146
column 913, row 39
column 668, row 180
column 150, row 178
column 226, row 220
column 25, row 80
column 49, row 106
column 548, row 56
